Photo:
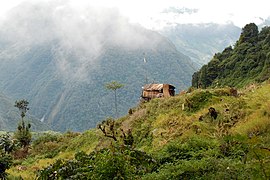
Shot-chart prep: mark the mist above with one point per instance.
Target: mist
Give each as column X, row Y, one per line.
column 77, row 36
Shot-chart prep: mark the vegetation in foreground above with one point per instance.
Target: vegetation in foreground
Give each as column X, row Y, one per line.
column 174, row 138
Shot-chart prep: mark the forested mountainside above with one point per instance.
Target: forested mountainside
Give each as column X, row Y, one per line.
column 10, row 116
column 248, row 61
column 60, row 60
column 201, row 41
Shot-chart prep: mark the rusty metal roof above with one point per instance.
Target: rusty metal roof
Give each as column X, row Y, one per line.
column 153, row 87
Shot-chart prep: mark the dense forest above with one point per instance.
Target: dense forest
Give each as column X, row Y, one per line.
column 248, row 61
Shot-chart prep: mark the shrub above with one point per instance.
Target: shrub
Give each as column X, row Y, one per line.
column 117, row 162
column 198, row 100
column 193, row 148
column 45, row 138
column 5, row 163
column 7, row 146
column 234, row 147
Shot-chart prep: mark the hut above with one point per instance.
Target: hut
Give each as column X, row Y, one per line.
column 150, row 91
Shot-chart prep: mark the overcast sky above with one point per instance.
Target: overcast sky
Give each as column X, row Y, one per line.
column 155, row 14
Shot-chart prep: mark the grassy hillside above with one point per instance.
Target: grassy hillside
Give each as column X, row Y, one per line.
column 179, row 135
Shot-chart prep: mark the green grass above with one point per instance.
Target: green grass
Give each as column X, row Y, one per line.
column 239, row 134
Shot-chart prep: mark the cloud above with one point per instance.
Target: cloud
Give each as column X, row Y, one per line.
column 178, row 10
column 77, row 36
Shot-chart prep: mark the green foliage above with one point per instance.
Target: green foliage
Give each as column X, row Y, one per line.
column 49, row 145
column 249, row 34
column 23, row 134
column 5, row 163
column 195, row 148
column 198, row 100
column 117, row 162
column 246, row 63
column 108, row 128
column 46, row 138
column 6, row 147
column 169, row 141
column 235, row 147
column 206, row 168
column 114, row 85
column 22, row 105
column 204, row 158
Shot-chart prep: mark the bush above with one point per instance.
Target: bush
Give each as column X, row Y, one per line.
column 5, row 163
column 117, row 162
column 194, row 148
column 206, row 168
column 198, row 100
column 47, row 144
column 45, row 138
column 234, row 147
column 7, row 146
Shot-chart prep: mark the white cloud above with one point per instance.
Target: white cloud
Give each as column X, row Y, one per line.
column 77, row 35
column 149, row 12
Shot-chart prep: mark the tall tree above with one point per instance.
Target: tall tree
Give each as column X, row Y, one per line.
column 23, row 133
column 22, row 105
column 114, row 85
column 249, row 33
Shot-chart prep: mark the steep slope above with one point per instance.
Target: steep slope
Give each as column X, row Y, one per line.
column 247, row 62
column 60, row 59
column 201, row 41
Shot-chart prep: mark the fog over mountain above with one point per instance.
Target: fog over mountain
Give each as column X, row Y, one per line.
column 201, row 41
column 83, row 33
column 60, row 58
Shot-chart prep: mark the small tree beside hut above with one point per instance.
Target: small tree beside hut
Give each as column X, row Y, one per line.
column 114, row 85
